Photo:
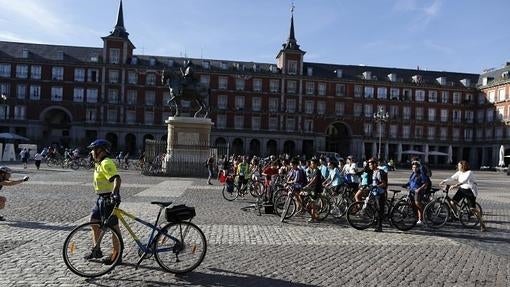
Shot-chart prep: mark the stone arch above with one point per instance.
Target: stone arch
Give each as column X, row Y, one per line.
column 113, row 139
column 238, row 146
column 130, row 141
column 338, row 138
column 272, row 147
column 255, row 147
column 57, row 123
column 220, row 141
column 289, row 147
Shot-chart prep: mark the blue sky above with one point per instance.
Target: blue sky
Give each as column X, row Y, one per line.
column 442, row 35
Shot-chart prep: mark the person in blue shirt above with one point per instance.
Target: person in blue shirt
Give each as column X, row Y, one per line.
column 418, row 184
column 334, row 180
column 323, row 167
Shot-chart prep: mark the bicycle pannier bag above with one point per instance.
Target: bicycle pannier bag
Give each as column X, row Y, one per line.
column 179, row 213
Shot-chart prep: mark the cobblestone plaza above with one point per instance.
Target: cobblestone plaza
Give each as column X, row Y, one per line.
column 245, row 249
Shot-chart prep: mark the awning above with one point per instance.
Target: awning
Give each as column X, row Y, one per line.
column 411, row 151
column 437, row 153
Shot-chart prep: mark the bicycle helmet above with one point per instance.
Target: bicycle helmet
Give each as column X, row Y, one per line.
column 99, row 143
column 5, row 169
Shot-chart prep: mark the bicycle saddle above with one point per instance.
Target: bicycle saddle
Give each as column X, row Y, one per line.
column 162, row 203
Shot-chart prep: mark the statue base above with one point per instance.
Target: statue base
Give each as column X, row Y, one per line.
column 188, row 146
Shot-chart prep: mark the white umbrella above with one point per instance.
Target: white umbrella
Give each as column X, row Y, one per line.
column 11, row 136
column 450, row 154
column 501, row 156
column 426, row 156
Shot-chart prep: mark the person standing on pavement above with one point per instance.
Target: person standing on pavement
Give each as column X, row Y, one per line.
column 418, row 184
column 24, row 154
column 5, row 175
column 106, row 184
column 379, row 185
column 38, row 158
column 210, row 168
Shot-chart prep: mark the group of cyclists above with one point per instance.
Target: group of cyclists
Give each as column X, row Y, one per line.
column 310, row 179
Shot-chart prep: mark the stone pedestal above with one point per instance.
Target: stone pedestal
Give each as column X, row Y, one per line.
column 188, row 146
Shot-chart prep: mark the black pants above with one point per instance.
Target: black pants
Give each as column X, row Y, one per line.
column 380, row 211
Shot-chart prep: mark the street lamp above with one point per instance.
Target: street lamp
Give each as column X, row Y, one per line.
column 379, row 117
column 3, row 97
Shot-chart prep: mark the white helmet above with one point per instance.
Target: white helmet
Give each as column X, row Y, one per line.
column 5, row 169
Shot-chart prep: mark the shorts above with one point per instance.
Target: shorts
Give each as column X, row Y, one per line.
column 103, row 208
column 467, row 194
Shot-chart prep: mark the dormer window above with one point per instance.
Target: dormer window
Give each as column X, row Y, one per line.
column 417, row 79
column 392, row 77
column 255, row 68
column 223, row 65
column 367, row 75
column 25, row 53
column 441, row 81
column 170, row 63
column 309, row 71
column 152, row 62
column 466, row 82
column 235, row 66
column 486, row 80
column 134, row 60
column 292, row 67
column 60, row 55
column 505, row 75
column 339, row 73
column 205, row 64
column 94, row 59
column 114, row 56
column 272, row 69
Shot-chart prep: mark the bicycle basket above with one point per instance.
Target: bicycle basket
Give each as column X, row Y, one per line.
column 179, row 213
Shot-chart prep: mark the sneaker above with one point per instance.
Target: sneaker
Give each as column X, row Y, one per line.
column 378, row 229
column 419, row 222
column 2, row 218
column 109, row 260
column 94, row 254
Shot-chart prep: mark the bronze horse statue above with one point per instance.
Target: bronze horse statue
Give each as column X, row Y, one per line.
column 183, row 86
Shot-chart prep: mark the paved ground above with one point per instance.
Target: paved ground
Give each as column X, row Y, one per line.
column 249, row 250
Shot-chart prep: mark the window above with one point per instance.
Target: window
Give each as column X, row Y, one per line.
column 35, row 92
column 479, row 133
column 501, row 94
column 291, row 106
column 432, row 114
column 257, row 85
column 292, row 67
column 310, row 88
column 4, row 111
column 113, row 96
column 273, row 123
column 309, row 107
column 488, row 133
column 148, row 118
column 340, row 90
column 358, row 91
column 79, row 75
column 21, row 71
column 131, row 97
column 444, row 115
column 468, row 134
column 222, row 83
column 480, row 115
column 35, row 72
column 456, row 133
column 19, row 112
column 406, row 112
column 239, row 122
column 93, row 75
column 291, row 87
column 165, row 98
column 492, row 96
column 256, row 103
column 456, row 116
column 420, row 95
column 240, row 84
column 322, row 89
column 222, row 102
column 369, row 92
column 369, row 111
column 91, row 95
column 274, row 86
column 500, row 113
column 57, row 73
column 395, row 94
column 431, row 133
column 419, row 114
column 321, row 107
column 150, row 98
column 406, row 131
column 443, row 133
column 21, row 91
column 205, row 64
column 111, row 116
column 113, row 76
column 418, row 132
column 290, row 124
column 130, row 117
column 357, row 109
column 308, row 126
column 273, row 105
column 382, row 93
column 56, row 94
column 114, row 56
column 481, row 98
column 394, row 112
column 499, row 133
column 5, row 89
column 406, row 95
column 393, row 131
column 78, row 95
column 469, row 115
column 255, row 123
column 432, row 96
column 221, row 121
column 132, row 77
column 5, row 70
column 151, row 79
column 339, row 108
column 367, row 129
column 468, row 98
column 91, row 115
column 239, row 102
column 205, row 80
column 456, row 98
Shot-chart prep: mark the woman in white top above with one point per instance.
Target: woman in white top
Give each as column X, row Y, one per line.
column 468, row 189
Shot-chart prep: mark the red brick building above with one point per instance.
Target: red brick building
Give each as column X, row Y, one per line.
column 71, row 95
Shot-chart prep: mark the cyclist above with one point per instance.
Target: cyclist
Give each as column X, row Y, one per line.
column 5, row 175
column 468, row 189
column 418, row 184
column 243, row 169
column 364, row 186
column 334, row 179
column 313, row 189
column 379, row 185
column 107, row 186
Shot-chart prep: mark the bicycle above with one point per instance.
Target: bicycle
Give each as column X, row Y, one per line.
column 232, row 190
column 439, row 211
column 179, row 246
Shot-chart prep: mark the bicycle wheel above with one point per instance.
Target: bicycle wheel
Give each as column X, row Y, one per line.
column 324, row 207
column 436, row 213
column 180, row 247
column 339, row 206
column 360, row 218
column 286, row 207
column 78, row 245
column 403, row 216
column 229, row 195
column 467, row 217
column 75, row 165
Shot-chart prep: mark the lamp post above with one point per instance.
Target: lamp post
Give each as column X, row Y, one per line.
column 380, row 117
column 3, row 97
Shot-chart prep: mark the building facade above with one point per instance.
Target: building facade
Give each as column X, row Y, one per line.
column 71, row 95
